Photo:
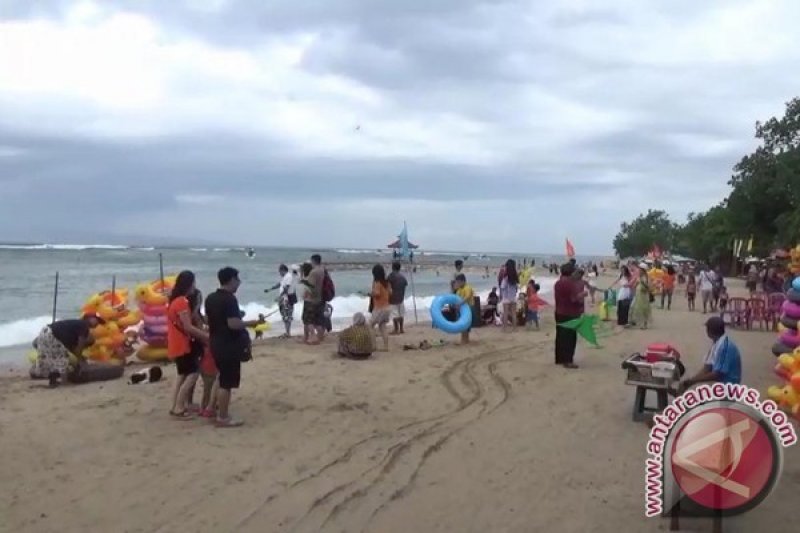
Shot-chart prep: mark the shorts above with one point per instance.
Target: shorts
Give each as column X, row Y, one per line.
column 532, row 316
column 751, row 285
column 187, row 364
column 286, row 310
column 380, row 316
column 230, row 370
column 398, row 310
column 314, row 313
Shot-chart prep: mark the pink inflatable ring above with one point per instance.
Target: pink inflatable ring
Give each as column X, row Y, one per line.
column 790, row 338
column 790, row 309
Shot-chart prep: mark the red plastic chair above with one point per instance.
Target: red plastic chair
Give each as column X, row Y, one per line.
column 758, row 313
column 774, row 311
column 739, row 313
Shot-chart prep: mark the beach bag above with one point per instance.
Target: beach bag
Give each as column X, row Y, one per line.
column 245, row 347
column 328, row 288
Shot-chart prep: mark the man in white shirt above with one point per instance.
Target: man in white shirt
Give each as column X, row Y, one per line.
column 287, row 297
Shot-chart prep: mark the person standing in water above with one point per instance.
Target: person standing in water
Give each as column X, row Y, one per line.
column 287, row 297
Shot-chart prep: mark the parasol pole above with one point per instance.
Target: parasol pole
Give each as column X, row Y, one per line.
column 55, row 297
column 161, row 268
column 113, row 288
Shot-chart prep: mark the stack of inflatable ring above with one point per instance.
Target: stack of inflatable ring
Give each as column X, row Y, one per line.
column 153, row 300
column 789, row 337
column 111, row 343
column 440, row 322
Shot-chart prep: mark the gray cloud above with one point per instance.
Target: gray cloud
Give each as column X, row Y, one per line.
column 543, row 120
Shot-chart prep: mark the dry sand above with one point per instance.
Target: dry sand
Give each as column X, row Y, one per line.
column 486, row 438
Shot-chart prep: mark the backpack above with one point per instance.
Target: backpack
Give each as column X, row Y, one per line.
column 328, row 289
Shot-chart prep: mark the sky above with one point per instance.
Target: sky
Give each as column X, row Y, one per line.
column 502, row 125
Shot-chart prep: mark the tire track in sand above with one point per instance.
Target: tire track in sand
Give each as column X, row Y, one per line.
column 479, row 390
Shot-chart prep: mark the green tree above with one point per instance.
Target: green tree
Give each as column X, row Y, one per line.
column 639, row 236
column 706, row 236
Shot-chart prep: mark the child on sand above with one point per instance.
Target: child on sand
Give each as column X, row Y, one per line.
column 534, row 302
column 691, row 291
column 467, row 295
column 208, row 372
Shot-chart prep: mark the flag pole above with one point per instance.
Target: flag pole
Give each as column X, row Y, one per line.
column 113, row 288
column 55, row 297
column 413, row 290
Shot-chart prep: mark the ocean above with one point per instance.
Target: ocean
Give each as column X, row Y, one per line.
column 27, row 275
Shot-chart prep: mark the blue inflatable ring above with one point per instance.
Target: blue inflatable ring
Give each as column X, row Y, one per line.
column 440, row 322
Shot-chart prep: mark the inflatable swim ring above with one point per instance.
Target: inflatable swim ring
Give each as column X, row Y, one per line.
column 792, row 310
column 779, row 348
column 796, row 284
column 148, row 353
column 154, row 320
column 788, row 322
column 790, row 338
column 153, row 310
column 440, row 322
column 793, row 295
column 261, row 328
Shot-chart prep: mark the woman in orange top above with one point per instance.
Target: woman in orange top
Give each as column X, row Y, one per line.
column 381, row 310
column 181, row 332
column 668, row 287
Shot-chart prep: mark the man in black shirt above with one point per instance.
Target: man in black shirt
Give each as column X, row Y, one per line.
column 398, row 282
column 228, row 339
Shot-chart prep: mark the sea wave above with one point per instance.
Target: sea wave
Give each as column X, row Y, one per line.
column 22, row 331
column 63, row 247
column 359, row 252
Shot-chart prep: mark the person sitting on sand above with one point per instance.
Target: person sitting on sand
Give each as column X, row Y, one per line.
column 490, row 309
column 55, row 343
column 357, row 341
column 380, row 308
column 467, row 295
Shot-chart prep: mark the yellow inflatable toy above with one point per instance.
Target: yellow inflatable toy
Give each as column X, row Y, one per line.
column 794, row 260
column 788, row 395
column 110, row 342
column 261, row 328
column 656, row 276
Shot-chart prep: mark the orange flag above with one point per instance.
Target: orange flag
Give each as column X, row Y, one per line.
column 570, row 250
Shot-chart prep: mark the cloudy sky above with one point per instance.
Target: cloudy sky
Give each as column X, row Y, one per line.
column 502, row 125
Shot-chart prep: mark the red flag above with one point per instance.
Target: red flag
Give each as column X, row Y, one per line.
column 570, row 250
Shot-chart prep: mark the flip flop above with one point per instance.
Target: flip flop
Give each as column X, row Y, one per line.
column 183, row 415
column 228, row 423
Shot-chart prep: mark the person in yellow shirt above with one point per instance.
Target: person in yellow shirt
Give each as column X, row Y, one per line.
column 467, row 295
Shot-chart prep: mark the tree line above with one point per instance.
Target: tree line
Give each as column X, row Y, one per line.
column 763, row 205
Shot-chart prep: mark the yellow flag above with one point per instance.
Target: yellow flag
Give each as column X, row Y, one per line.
column 750, row 245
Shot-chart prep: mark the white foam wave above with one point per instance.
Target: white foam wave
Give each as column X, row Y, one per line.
column 344, row 307
column 22, row 331
column 62, row 247
column 198, row 249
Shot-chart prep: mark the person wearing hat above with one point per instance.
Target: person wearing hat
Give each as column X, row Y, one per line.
column 723, row 363
column 57, row 341
column 287, row 297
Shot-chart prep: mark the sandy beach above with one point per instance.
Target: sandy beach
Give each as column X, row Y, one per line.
column 490, row 437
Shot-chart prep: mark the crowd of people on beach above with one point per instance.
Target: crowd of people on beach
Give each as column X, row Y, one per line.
column 211, row 345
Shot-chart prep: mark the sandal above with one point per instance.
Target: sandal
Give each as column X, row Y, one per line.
column 227, row 423
column 182, row 415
